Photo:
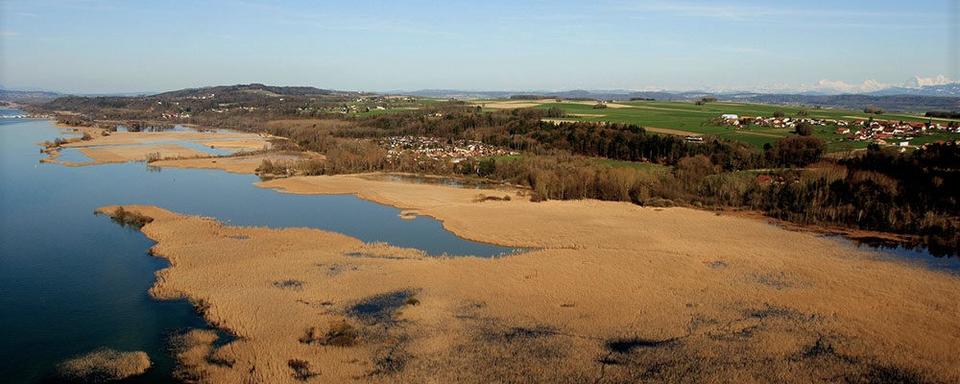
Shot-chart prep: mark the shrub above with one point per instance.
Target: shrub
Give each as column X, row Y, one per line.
column 804, row 129
column 301, row 369
column 129, row 219
column 105, row 365
column 153, row 156
column 796, row 151
column 340, row 334
column 692, row 169
column 555, row 112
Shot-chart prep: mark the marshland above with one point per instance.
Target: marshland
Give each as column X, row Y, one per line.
column 600, row 192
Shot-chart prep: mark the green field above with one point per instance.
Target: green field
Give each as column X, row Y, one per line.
column 692, row 118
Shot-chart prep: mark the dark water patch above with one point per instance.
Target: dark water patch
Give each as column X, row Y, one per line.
column 382, row 307
column 629, row 345
column 927, row 254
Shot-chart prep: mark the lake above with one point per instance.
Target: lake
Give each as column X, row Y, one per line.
column 71, row 282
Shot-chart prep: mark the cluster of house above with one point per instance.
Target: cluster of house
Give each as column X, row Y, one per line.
column 777, row 122
column 434, row 148
column 202, row 97
column 228, row 107
column 886, row 132
column 25, row 116
column 175, row 115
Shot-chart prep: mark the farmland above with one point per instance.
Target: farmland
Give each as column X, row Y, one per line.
column 682, row 118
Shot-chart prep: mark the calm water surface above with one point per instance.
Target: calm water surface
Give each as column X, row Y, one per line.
column 71, row 282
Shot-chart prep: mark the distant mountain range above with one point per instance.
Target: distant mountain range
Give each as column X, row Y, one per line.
column 947, row 90
column 23, row 96
column 945, row 97
column 944, row 90
column 921, row 99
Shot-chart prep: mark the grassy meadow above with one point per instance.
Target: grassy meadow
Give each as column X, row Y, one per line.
column 676, row 117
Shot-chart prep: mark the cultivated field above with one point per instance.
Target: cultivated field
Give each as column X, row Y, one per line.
column 684, row 118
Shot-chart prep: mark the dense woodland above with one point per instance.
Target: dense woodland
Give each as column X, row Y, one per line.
column 910, row 193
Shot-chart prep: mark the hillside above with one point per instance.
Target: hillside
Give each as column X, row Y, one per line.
column 241, row 89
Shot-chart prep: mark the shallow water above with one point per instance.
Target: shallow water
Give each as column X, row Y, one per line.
column 72, row 155
column 71, row 282
column 219, row 151
column 901, row 251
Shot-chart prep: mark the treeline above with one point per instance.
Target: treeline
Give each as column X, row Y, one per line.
column 943, row 114
column 525, row 130
column 882, row 190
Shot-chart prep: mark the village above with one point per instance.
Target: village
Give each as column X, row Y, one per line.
column 882, row 132
column 434, row 148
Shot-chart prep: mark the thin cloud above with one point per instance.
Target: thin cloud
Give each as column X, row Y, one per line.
column 754, row 13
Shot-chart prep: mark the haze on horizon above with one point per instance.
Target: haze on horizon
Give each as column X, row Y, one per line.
column 90, row 46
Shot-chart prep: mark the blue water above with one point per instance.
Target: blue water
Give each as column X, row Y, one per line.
column 72, row 155
column 205, row 148
column 71, row 282
column 900, row 251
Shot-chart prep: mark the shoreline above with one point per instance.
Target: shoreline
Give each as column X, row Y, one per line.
column 609, row 290
column 231, row 274
column 248, row 164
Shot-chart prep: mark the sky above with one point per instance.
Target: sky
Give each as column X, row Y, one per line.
column 91, row 46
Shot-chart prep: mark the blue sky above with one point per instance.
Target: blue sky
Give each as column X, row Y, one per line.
column 127, row 46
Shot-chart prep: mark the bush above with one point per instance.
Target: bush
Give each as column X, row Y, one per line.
column 804, row 129
column 105, row 365
column 555, row 112
column 301, row 369
column 796, row 151
column 153, row 156
column 339, row 335
column 692, row 169
column 129, row 219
